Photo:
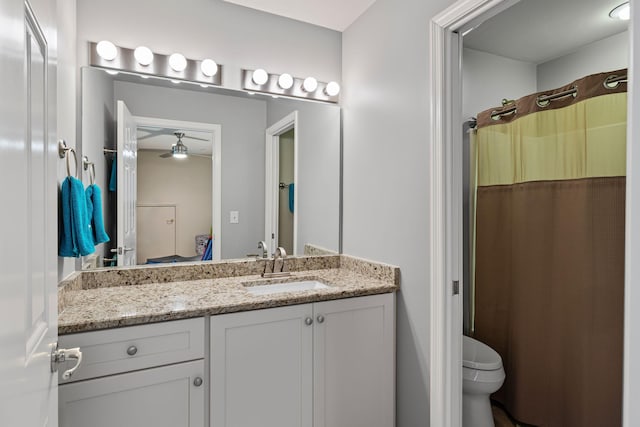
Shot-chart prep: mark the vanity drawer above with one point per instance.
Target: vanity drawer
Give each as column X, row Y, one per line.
column 132, row 348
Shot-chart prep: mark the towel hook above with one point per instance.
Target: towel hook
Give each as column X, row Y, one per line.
column 86, row 164
column 63, row 150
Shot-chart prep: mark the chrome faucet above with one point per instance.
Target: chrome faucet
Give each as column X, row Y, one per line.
column 280, row 269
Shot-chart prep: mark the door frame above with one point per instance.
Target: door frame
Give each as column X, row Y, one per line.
column 445, row 221
column 216, row 158
column 271, row 190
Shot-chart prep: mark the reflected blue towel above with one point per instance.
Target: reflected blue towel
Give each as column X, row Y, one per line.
column 75, row 233
column 113, row 180
column 94, row 209
column 291, row 186
column 208, row 253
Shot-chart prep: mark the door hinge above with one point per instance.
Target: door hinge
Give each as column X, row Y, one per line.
column 456, row 287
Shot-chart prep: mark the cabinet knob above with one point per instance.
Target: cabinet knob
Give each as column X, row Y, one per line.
column 197, row 382
column 308, row 321
column 320, row 318
column 132, row 350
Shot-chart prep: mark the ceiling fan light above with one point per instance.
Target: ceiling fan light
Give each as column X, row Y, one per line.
column 143, row 55
column 178, row 62
column 179, row 151
column 107, row 50
column 209, row 67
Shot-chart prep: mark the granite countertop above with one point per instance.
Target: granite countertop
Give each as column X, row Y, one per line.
column 129, row 297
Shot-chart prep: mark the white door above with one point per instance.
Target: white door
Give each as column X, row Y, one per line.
column 156, row 232
column 28, row 225
column 169, row 396
column 353, row 362
column 127, row 164
column 261, row 368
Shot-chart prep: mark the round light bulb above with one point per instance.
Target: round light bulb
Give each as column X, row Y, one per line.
column 622, row 12
column 209, row 67
column 310, row 84
column 332, row 89
column 178, row 62
column 285, row 81
column 143, row 55
column 260, row 76
column 107, row 50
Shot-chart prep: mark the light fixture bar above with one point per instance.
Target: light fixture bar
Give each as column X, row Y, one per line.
column 296, row 90
column 125, row 60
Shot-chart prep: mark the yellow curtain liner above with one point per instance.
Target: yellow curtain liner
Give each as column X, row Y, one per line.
column 586, row 139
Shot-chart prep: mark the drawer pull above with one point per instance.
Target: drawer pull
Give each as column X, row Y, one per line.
column 197, row 382
column 131, row 351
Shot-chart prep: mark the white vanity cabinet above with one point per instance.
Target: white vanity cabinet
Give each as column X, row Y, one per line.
column 150, row 375
column 326, row 364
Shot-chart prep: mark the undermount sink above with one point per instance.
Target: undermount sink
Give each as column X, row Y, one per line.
column 276, row 288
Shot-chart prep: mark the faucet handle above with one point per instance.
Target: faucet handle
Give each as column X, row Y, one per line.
column 280, row 252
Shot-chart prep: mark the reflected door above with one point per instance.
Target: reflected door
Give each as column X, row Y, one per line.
column 127, row 165
column 156, row 232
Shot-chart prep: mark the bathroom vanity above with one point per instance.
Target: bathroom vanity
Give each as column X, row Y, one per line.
column 195, row 345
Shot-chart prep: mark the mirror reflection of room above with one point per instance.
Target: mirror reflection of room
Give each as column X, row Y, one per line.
column 180, row 214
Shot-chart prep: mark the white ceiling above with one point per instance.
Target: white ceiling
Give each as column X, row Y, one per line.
column 540, row 30
column 334, row 14
column 163, row 138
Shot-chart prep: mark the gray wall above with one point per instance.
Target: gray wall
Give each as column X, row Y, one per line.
column 318, row 169
column 98, row 131
column 243, row 124
column 607, row 54
column 232, row 35
column 386, row 100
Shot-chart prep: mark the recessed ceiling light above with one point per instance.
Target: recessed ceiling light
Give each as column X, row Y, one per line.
column 622, row 12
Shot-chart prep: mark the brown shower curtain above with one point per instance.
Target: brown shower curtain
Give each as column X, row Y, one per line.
column 549, row 258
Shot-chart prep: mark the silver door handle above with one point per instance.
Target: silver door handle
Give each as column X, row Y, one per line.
column 61, row 355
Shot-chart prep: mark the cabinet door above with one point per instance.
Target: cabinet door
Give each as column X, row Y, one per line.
column 261, row 368
column 160, row 397
column 354, row 362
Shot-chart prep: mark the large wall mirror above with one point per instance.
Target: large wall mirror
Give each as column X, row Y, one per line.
column 179, row 164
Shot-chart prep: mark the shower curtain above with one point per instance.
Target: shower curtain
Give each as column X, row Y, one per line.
column 549, row 257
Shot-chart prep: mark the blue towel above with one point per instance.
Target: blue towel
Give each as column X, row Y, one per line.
column 113, row 180
column 208, row 253
column 75, row 233
column 94, row 209
column 291, row 186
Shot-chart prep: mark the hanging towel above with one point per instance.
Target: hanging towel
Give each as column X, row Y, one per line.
column 94, row 209
column 75, row 233
column 291, row 197
column 113, row 180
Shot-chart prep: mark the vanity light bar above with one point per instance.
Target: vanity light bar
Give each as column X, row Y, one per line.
column 296, row 90
column 160, row 65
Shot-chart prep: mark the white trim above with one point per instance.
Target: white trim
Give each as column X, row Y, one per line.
column 216, row 159
column 445, row 202
column 631, row 371
column 272, row 168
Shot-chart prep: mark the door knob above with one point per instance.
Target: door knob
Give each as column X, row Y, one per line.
column 132, row 350
column 308, row 321
column 320, row 318
column 197, row 382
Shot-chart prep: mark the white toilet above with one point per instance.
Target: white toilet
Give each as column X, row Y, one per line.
column 482, row 374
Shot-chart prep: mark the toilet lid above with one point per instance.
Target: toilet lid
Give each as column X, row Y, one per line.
column 477, row 355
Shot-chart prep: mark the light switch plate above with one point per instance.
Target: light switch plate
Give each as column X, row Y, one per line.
column 234, row 217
